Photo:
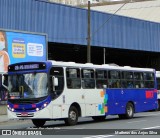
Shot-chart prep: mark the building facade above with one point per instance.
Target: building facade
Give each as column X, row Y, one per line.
column 66, row 28
column 75, row 2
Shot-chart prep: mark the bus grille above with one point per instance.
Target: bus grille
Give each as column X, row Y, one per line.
column 25, row 114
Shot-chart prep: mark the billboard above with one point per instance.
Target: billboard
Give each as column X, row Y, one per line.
column 20, row 47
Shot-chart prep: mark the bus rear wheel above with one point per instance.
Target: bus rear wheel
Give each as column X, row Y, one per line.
column 38, row 122
column 72, row 116
column 128, row 113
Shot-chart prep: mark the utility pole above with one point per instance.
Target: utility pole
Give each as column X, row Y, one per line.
column 104, row 56
column 88, row 37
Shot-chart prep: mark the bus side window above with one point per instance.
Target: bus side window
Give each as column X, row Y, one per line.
column 139, row 80
column 51, row 83
column 73, row 78
column 149, row 79
column 88, row 80
column 58, row 73
column 127, row 79
column 114, row 79
column 101, row 79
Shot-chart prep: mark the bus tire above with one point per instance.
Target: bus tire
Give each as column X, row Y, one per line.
column 72, row 116
column 129, row 111
column 38, row 122
column 98, row 118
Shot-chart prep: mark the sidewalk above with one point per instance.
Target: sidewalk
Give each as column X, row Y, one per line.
column 3, row 109
column 3, row 113
column 3, row 118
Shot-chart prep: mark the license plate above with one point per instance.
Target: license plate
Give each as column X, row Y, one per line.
column 24, row 114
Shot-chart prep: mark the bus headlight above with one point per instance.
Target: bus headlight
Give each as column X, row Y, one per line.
column 11, row 109
column 37, row 109
column 45, row 104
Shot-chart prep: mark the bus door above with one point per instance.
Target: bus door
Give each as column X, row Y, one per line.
column 56, row 88
column 90, row 93
column 74, row 92
column 145, row 84
column 115, row 92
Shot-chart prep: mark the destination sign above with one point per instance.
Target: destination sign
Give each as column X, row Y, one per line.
column 27, row 66
column 31, row 66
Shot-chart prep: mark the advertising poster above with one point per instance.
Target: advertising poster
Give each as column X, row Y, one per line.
column 19, row 47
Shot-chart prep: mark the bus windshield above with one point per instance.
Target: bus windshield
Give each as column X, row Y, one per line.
column 31, row 85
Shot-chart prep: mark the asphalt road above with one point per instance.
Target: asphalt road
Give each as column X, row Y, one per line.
column 145, row 124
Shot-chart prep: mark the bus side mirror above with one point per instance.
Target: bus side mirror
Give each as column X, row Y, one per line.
column 54, row 82
column 5, row 81
column 104, row 86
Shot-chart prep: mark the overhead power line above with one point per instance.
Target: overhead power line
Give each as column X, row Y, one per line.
column 108, row 19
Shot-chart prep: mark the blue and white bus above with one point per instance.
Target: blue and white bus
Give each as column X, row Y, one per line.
column 158, row 88
column 51, row 90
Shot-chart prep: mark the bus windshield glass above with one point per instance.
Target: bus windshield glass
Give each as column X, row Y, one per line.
column 31, row 85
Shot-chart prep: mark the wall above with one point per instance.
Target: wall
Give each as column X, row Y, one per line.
column 66, row 24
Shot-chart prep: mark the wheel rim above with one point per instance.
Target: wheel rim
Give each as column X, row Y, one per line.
column 72, row 115
column 129, row 111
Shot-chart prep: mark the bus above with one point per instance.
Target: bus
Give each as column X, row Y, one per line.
column 158, row 88
column 54, row 90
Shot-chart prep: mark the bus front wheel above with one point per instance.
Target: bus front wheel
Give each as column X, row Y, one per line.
column 38, row 122
column 72, row 116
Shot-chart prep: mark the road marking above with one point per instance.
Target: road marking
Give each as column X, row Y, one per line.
column 100, row 136
column 79, row 128
column 136, row 121
column 150, row 114
column 151, row 127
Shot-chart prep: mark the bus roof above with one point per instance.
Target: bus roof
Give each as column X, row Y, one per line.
column 107, row 66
